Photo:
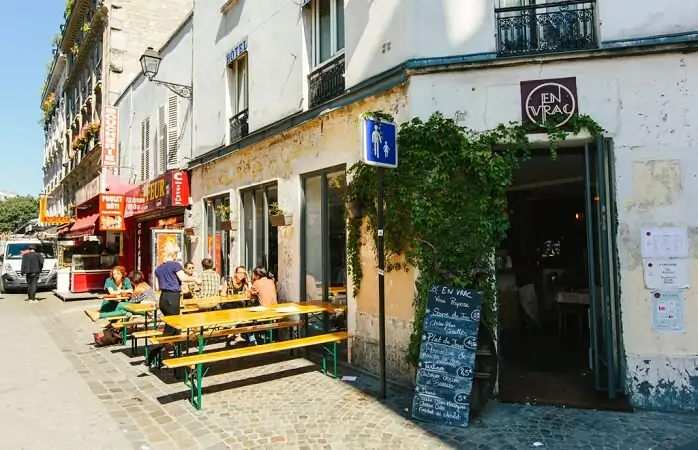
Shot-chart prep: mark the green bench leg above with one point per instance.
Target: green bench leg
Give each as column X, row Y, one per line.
column 124, row 335
column 195, row 397
column 332, row 352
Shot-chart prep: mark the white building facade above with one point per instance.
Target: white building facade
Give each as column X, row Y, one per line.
column 96, row 54
column 279, row 87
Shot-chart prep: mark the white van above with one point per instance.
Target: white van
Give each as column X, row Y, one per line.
column 11, row 278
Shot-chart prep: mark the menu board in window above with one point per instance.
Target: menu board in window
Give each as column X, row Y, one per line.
column 447, row 356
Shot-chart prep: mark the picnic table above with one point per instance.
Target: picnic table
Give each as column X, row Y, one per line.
column 212, row 319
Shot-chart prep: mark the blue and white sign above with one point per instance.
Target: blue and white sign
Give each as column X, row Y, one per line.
column 236, row 52
column 379, row 143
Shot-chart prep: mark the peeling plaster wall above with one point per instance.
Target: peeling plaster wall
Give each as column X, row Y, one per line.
column 648, row 105
column 330, row 140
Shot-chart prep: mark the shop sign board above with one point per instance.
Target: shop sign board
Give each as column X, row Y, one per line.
column 541, row 100
column 50, row 220
column 110, row 136
column 111, row 212
column 168, row 190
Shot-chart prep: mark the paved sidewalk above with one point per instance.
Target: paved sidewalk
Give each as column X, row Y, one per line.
column 81, row 397
column 45, row 404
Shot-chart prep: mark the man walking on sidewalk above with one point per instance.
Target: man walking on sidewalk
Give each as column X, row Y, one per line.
column 32, row 263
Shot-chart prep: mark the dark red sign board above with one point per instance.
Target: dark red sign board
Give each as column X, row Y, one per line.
column 168, row 190
column 541, row 100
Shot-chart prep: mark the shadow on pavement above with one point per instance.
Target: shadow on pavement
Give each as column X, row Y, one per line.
column 233, row 384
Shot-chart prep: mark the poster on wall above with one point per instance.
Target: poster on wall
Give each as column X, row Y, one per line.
column 665, row 242
column 667, row 312
column 160, row 239
column 217, row 259
column 666, row 273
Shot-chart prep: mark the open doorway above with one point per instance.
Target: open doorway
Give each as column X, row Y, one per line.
column 550, row 284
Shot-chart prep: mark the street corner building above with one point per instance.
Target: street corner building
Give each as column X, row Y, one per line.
column 260, row 118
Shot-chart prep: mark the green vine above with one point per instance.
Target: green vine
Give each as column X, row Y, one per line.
column 445, row 204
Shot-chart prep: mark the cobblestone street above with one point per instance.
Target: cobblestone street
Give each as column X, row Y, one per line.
column 58, row 392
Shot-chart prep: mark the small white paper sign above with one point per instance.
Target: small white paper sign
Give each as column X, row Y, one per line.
column 667, row 312
column 666, row 273
column 668, row 242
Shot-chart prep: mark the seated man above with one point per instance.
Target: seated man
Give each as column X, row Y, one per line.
column 190, row 290
column 211, row 281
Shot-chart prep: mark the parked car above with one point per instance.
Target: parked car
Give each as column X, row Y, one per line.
column 11, row 253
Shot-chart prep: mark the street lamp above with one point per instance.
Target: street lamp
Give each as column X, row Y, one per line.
column 150, row 64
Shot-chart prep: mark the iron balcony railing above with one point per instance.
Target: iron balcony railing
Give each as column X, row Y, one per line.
column 546, row 28
column 326, row 83
column 239, row 126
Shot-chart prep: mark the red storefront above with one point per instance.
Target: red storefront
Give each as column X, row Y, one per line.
column 154, row 215
column 93, row 244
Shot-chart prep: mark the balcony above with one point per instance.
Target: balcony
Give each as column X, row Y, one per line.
column 239, row 126
column 546, row 28
column 326, row 83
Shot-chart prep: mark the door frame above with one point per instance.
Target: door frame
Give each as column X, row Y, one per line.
column 324, row 229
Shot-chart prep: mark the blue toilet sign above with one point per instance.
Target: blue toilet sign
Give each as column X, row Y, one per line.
column 379, row 143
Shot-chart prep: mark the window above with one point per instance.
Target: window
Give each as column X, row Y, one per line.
column 16, row 250
column 531, row 26
column 218, row 233
column 324, row 261
column 260, row 246
column 168, row 134
column 238, row 93
column 145, row 150
column 328, row 29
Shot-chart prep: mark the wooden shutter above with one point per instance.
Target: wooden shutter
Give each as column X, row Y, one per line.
column 145, row 150
column 173, row 132
column 162, row 141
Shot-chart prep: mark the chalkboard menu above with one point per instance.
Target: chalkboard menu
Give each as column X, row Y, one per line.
column 447, row 356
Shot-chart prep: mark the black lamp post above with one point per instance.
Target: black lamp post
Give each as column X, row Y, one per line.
column 150, row 65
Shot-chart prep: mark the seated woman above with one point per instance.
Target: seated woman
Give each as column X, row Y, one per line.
column 238, row 284
column 263, row 287
column 142, row 291
column 117, row 284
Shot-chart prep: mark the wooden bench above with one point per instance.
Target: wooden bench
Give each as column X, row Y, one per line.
column 194, row 363
column 226, row 332
column 145, row 334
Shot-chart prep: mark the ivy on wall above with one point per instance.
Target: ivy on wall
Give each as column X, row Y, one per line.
column 445, row 204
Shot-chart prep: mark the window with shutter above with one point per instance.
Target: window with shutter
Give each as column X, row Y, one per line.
column 173, row 132
column 162, row 141
column 145, row 150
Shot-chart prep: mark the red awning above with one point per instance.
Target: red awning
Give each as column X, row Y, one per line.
column 83, row 227
column 116, row 186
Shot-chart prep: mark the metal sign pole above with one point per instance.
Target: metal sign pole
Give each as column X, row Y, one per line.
column 381, row 285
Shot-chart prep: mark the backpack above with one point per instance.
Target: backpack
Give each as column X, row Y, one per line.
column 108, row 336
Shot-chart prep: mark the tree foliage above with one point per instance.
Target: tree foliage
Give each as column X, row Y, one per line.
column 16, row 211
column 445, row 205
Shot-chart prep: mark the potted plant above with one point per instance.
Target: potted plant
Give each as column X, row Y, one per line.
column 355, row 208
column 278, row 217
column 223, row 213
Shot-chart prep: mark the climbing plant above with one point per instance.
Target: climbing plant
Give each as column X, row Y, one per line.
column 445, row 204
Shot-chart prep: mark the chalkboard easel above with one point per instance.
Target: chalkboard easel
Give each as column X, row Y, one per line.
column 447, row 356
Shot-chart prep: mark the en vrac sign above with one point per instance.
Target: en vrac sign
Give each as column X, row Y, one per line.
column 542, row 100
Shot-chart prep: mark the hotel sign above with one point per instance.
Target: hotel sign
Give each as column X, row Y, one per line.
column 546, row 100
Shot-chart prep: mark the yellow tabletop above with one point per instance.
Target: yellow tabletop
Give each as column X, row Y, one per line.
column 327, row 305
column 150, row 307
column 231, row 316
column 215, row 300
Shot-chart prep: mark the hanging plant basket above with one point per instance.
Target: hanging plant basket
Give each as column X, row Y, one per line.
column 226, row 225
column 355, row 209
column 280, row 220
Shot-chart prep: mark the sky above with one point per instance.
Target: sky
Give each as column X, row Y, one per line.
column 25, row 44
